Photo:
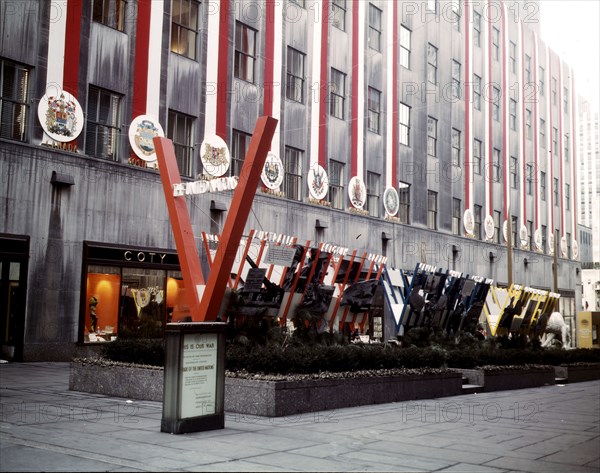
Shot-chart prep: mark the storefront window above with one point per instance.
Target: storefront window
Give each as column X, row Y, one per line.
column 130, row 293
column 102, row 303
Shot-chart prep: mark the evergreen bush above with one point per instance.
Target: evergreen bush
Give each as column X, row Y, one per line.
column 301, row 358
column 149, row 351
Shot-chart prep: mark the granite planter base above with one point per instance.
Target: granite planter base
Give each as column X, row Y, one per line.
column 282, row 398
column 132, row 382
column 270, row 398
column 578, row 373
column 513, row 378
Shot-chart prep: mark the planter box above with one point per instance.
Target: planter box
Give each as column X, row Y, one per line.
column 576, row 374
column 510, row 378
column 271, row 398
column 281, row 398
column 120, row 381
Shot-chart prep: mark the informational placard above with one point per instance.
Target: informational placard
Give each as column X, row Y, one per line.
column 377, row 327
column 254, row 280
column 280, row 255
column 199, row 375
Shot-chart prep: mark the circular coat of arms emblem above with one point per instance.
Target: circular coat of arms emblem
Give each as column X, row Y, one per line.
column 505, row 230
column 575, row 249
column 391, row 201
column 318, row 182
column 214, row 155
column 357, row 192
column 488, row 226
column 537, row 237
column 61, row 116
column 143, row 129
column 550, row 242
column 272, row 173
column 563, row 246
column 523, row 235
column 469, row 221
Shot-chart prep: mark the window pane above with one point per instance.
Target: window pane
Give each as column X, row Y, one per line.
column 184, row 27
column 293, row 174
column 14, row 105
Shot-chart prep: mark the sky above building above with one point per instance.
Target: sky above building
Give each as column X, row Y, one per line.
column 572, row 29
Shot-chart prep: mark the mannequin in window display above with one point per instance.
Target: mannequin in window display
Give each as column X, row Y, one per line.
column 152, row 313
column 93, row 303
column 143, row 313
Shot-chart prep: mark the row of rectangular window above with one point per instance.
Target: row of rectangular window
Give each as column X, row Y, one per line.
column 184, row 31
column 103, row 131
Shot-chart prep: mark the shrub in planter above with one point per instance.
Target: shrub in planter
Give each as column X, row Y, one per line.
column 487, row 355
column 333, row 358
column 141, row 351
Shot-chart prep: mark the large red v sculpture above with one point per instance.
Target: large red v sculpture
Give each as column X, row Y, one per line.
column 205, row 306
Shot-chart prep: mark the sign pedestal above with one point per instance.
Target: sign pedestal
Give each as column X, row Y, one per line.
column 194, row 382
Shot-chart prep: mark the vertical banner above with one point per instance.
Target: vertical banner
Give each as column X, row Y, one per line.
column 56, row 54
column 573, row 161
column 212, row 78
column 505, row 114
column 561, row 146
column 488, row 87
column 155, row 49
column 468, row 178
column 536, row 141
column 550, row 150
column 523, row 131
column 391, row 95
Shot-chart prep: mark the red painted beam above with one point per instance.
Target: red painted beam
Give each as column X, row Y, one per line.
column 181, row 224
column 237, row 216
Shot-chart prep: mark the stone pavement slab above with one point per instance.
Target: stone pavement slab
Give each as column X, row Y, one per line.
column 46, row 427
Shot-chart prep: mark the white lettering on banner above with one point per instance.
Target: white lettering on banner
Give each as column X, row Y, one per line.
column 274, row 237
column 204, row 186
column 378, row 259
column 212, row 238
column 334, row 249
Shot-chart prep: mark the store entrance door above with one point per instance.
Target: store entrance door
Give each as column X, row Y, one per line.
column 13, row 280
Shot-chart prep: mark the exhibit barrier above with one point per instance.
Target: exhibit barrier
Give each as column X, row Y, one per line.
column 352, row 290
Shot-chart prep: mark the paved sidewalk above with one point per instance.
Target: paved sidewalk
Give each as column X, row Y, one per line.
column 46, row 427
